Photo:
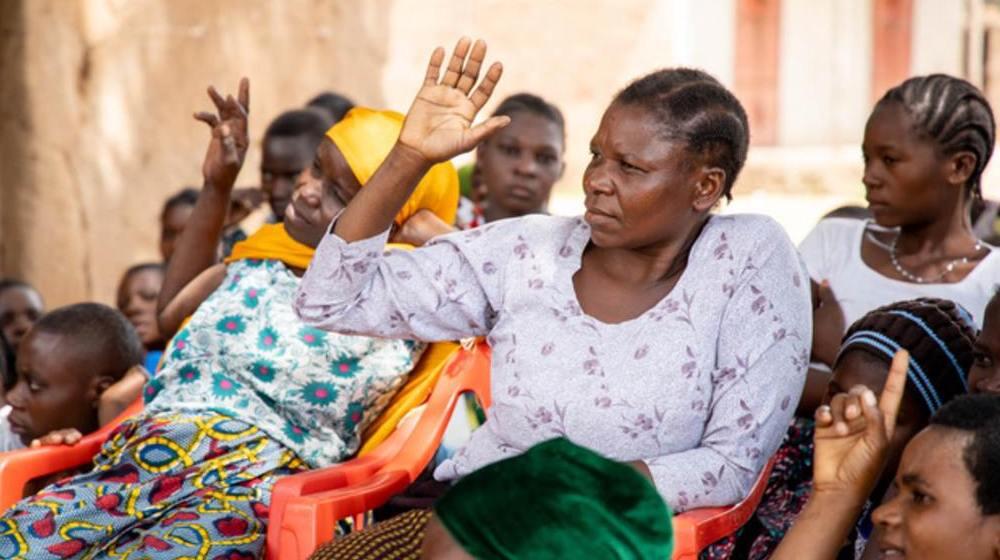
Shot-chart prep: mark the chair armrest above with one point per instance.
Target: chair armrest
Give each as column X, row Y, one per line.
column 695, row 530
column 305, row 507
column 18, row 468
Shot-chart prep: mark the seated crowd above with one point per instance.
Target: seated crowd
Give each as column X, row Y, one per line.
column 650, row 357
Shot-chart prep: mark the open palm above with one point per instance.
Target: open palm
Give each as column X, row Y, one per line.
column 439, row 125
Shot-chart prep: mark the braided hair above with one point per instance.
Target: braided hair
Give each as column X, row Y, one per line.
column 937, row 333
column 694, row 108
column 953, row 114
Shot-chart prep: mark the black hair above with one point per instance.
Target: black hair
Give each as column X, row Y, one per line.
column 980, row 415
column 109, row 342
column 188, row 196
column 300, row 123
column 531, row 103
column 693, row 107
column 952, row 113
column 334, row 104
column 938, row 334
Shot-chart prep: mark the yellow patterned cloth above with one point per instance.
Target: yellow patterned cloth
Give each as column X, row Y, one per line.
column 165, row 486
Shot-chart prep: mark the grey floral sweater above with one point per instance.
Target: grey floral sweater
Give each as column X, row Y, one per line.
column 701, row 386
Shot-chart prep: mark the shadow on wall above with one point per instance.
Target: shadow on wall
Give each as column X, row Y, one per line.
column 96, row 98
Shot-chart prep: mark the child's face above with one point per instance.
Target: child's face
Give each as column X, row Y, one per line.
column 137, row 297
column 520, row 164
column 984, row 376
column 171, row 226
column 859, row 368
column 321, row 191
column 935, row 513
column 906, row 180
column 282, row 160
column 51, row 392
column 20, row 307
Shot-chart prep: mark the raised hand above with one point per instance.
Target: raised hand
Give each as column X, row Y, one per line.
column 228, row 146
column 853, row 433
column 439, row 123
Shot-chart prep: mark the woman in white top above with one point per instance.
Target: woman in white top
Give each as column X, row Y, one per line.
column 925, row 147
column 649, row 330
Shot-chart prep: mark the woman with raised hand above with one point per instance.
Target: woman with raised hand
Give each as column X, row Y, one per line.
column 648, row 330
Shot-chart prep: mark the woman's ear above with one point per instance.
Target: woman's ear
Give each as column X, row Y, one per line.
column 708, row 188
column 961, row 166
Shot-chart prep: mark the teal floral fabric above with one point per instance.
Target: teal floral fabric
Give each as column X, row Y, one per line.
column 247, row 355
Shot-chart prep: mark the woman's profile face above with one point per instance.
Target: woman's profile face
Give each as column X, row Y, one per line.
column 640, row 188
column 321, row 191
column 935, row 515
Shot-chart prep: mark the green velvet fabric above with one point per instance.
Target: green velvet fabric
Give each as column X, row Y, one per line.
column 557, row 500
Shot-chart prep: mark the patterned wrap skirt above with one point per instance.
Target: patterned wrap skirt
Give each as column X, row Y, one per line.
column 163, row 486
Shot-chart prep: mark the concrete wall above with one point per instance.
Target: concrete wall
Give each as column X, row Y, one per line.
column 96, row 97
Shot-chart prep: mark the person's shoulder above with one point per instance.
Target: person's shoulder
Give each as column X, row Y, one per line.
column 841, row 227
column 751, row 229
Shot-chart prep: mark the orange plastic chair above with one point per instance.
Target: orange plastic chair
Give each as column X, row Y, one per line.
column 18, row 468
column 307, row 519
column 306, row 507
column 695, row 530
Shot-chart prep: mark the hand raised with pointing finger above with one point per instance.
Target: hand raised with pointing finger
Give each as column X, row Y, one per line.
column 439, row 125
column 853, row 433
column 228, row 147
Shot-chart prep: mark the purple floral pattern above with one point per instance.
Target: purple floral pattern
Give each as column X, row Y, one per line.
column 701, row 386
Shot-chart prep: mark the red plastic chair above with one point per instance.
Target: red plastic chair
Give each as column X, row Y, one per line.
column 695, row 530
column 18, row 468
column 306, row 507
column 306, row 519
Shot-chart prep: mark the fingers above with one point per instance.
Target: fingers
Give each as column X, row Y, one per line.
column 892, row 393
column 846, row 413
column 488, row 128
column 229, row 150
column 485, row 89
column 457, row 61
column 217, row 99
column 434, row 67
column 470, row 74
column 244, row 95
column 207, row 118
column 59, row 437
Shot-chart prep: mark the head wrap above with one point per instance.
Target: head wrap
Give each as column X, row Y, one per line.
column 365, row 137
column 937, row 333
column 557, row 500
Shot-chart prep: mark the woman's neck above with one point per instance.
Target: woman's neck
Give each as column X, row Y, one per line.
column 653, row 264
column 947, row 236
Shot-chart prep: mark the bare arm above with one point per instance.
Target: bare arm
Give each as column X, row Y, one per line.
column 197, row 246
column 116, row 398
column 184, row 304
column 438, row 127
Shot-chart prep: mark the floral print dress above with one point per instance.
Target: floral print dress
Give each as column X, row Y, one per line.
column 701, row 386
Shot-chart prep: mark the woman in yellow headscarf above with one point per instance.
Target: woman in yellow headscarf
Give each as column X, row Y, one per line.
column 245, row 384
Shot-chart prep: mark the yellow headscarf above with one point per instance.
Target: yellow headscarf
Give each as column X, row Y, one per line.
column 365, row 137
